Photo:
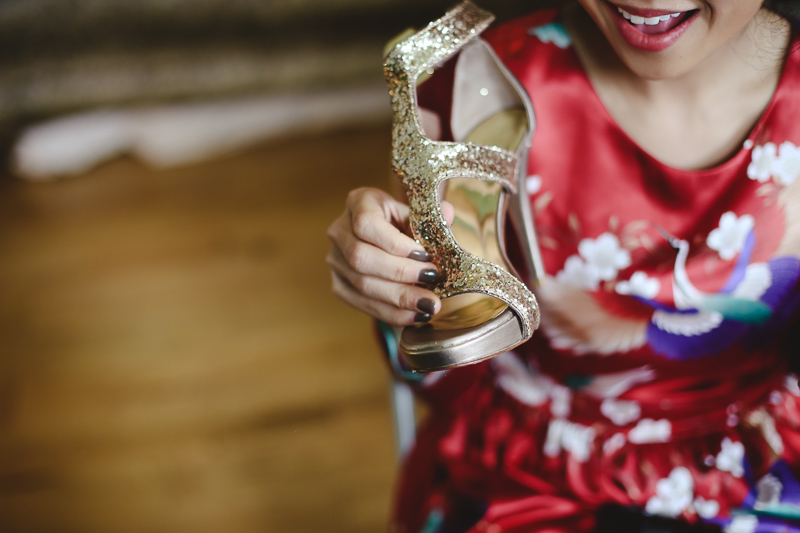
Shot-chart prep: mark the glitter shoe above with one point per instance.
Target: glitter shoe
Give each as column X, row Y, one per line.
column 486, row 308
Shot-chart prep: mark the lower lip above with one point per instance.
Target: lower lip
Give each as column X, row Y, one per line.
column 656, row 42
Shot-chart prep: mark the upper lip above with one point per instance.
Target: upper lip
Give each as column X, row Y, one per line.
column 647, row 12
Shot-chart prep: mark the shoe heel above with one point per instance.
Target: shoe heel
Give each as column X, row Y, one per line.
column 500, row 312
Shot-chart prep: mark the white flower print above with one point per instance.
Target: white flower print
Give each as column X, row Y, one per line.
column 649, row 430
column 579, row 274
column 605, row 254
column 768, row 492
column 640, row 285
column 614, row 384
column 673, row 494
column 786, row 168
column 791, row 384
column 527, row 387
column 707, row 509
column 763, row 157
column 730, row 457
column 728, row 239
column 560, row 401
column 615, row 442
column 620, row 412
column 775, row 397
column 766, row 423
column 742, row 524
column 533, row 184
column 757, row 280
column 574, row 438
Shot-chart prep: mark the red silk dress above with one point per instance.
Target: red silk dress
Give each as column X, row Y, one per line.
column 660, row 378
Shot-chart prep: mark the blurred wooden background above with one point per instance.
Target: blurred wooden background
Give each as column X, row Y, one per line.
column 172, row 358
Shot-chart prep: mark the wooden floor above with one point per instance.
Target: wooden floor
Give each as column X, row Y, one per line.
column 172, row 359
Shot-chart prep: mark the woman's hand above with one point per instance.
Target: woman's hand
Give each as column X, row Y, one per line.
column 376, row 267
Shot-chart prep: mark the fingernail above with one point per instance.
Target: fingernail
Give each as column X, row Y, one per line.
column 420, row 256
column 428, row 276
column 422, row 317
column 426, row 305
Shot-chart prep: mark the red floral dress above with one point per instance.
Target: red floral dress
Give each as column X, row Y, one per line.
column 660, row 378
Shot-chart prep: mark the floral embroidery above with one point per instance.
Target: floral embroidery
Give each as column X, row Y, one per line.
column 531, row 388
column 620, row 412
column 552, row 33
column 560, row 401
column 649, row 430
column 760, row 168
column 731, row 457
column 519, row 382
column 742, row 524
column 614, row 384
column 533, row 184
column 792, row 385
column 768, row 492
column 639, row 285
column 673, row 494
column 688, row 325
column 775, row 397
column 598, row 259
column 578, row 274
column 766, row 423
column 729, row 238
column 615, row 442
column 575, row 438
column 781, row 163
column 786, row 167
column 706, row 508
column 605, row 255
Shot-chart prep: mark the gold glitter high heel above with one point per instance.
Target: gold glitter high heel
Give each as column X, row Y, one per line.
column 486, row 309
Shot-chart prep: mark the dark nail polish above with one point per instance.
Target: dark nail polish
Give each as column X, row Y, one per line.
column 429, row 276
column 426, row 305
column 422, row 317
column 423, row 256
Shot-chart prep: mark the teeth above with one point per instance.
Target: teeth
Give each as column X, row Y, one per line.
column 649, row 21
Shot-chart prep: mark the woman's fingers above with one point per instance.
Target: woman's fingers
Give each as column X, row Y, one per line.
column 376, row 267
column 366, row 259
column 371, row 244
column 382, row 310
column 398, row 294
column 377, row 219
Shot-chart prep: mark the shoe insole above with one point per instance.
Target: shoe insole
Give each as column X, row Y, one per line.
column 475, row 224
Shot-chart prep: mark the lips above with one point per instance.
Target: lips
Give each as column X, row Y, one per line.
column 651, row 30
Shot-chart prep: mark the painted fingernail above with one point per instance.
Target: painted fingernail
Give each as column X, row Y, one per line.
column 426, row 305
column 422, row 317
column 420, row 256
column 428, row 276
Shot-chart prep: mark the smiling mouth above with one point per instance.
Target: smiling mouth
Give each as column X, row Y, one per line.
column 655, row 22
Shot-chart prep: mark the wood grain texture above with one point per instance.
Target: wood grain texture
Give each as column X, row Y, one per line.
column 172, row 357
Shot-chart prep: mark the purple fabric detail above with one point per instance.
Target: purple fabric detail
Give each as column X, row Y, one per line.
column 682, row 347
column 785, row 273
column 791, row 487
column 778, row 297
column 741, row 264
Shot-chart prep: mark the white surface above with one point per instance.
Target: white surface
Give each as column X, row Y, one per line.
column 181, row 134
